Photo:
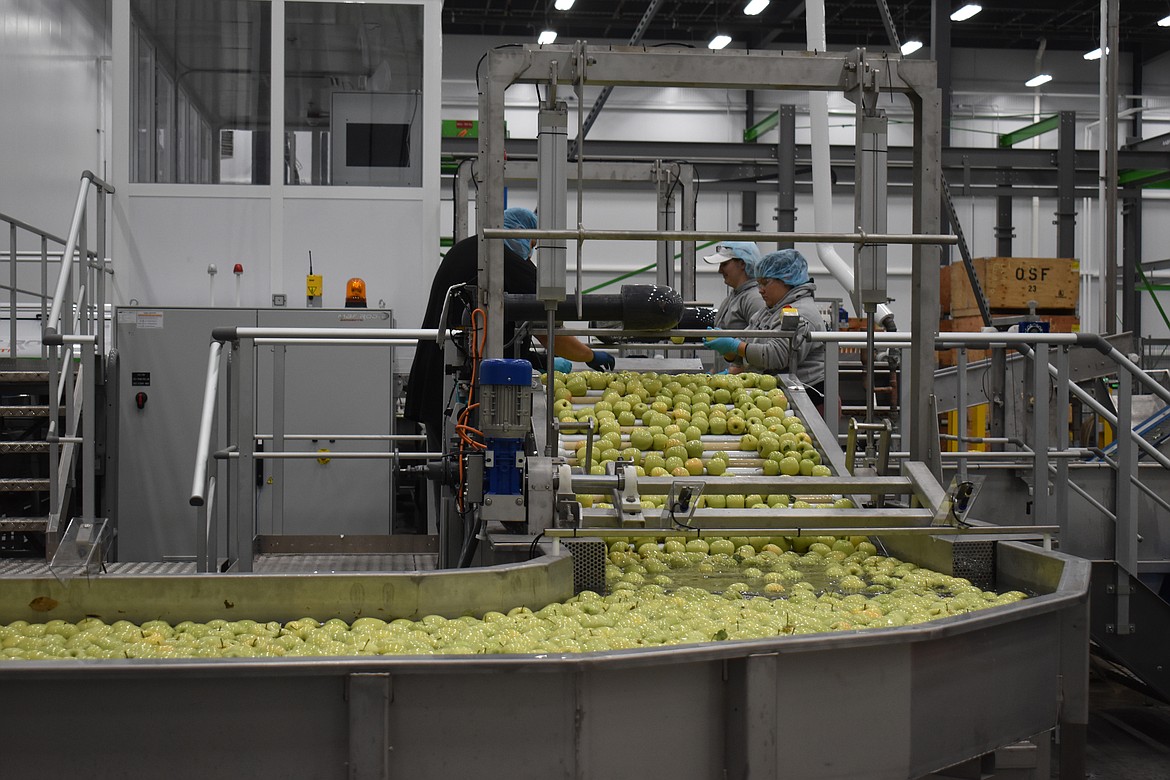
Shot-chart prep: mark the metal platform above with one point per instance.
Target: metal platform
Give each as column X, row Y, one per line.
column 264, row 564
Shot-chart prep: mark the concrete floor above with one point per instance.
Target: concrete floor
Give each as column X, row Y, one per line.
column 1129, row 733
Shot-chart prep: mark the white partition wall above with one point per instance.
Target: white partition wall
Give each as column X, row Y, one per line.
column 223, row 194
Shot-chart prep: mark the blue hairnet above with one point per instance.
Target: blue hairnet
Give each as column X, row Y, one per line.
column 516, row 218
column 744, row 250
column 787, row 265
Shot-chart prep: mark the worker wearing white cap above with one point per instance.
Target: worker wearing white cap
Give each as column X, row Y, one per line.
column 737, row 261
column 783, row 283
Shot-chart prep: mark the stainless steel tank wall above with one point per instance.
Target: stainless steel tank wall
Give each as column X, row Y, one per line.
column 284, row 597
column 888, row 703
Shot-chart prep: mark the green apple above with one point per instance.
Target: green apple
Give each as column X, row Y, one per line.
column 694, row 448
column 716, row 467
column 806, row 467
column 674, row 463
column 653, row 460
column 790, row 466
column 626, row 418
column 736, row 426
column 659, row 471
column 718, row 426
column 692, row 433
column 676, row 451
column 716, row 501
column 822, row 471
column 748, row 443
column 641, row 438
column 735, row 501
column 777, row 499
column 770, row 468
column 694, row 466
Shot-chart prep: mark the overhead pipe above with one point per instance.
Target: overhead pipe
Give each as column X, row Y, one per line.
column 818, row 109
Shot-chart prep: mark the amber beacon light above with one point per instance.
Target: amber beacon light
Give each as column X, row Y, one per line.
column 355, row 293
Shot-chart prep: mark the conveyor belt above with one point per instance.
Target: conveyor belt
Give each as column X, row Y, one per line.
column 264, row 564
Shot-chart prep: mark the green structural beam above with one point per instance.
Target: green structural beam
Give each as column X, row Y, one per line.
column 1144, row 178
column 641, row 270
column 761, row 127
column 1008, row 140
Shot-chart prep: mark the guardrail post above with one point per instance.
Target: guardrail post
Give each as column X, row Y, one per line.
column 1125, row 542
column 1040, row 422
column 1062, row 439
column 88, row 410
column 12, row 281
column 245, row 414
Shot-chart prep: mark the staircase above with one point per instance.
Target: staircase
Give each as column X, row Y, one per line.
column 24, row 462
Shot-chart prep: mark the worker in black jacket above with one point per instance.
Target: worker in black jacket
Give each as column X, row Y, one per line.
column 424, row 391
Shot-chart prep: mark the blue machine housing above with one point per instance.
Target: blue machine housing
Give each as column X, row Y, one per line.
column 505, row 416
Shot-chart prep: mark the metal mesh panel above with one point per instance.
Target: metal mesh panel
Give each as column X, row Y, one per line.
column 975, row 561
column 589, row 558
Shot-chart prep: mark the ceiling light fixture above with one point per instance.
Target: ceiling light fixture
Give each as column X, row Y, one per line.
column 911, row 46
column 1038, row 80
column 563, row 5
column 719, row 41
column 547, row 37
column 755, row 6
column 1164, row 22
column 1095, row 54
column 966, row 12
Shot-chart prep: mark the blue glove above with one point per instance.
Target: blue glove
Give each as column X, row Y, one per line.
column 724, row 371
column 724, row 345
column 562, row 365
column 602, row 361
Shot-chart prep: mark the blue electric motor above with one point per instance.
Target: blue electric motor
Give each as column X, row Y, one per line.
column 505, row 417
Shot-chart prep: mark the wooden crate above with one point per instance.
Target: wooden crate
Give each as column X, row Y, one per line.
column 1060, row 323
column 1011, row 282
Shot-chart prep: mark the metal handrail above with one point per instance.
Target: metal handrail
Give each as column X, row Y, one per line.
column 63, row 332
column 206, row 422
column 87, row 178
column 204, row 480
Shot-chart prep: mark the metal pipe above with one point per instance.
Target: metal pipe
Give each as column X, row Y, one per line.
column 337, row 342
column 347, row 436
column 234, row 333
column 582, row 234
column 259, row 455
column 206, row 423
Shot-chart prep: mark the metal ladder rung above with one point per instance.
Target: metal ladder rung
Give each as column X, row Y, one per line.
column 13, row 447
column 15, row 524
column 23, row 485
column 24, row 411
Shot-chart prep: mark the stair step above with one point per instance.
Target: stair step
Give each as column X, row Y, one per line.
column 24, row 411
column 24, row 376
column 13, row 447
column 20, row 484
column 26, row 524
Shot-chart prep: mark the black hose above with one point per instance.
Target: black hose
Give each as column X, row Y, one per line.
column 470, row 544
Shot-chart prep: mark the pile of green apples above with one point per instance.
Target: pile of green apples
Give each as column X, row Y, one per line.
column 663, row 591
column 687, row 425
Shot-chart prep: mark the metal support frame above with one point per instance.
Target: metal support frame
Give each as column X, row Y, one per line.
column 726, row 70
column 1066, row 202
column 1004, row 231
column 786, row 173
column 1131, row 261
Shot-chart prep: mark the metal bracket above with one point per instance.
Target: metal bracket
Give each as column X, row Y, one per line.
column 959, row 500
column 682, row 500
column 627, row 504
